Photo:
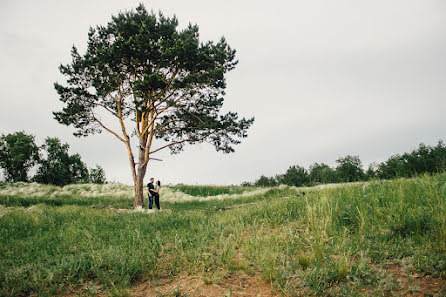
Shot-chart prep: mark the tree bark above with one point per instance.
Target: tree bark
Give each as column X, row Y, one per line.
column 139, row 193
column 139, row 180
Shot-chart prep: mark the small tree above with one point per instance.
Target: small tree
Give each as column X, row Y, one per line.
column 60, row 168
column 145, row 72
column 295, row 176
column 97, row 175
column 372, row 171
column 349, row 169
column 18, row 153
column 322, row 174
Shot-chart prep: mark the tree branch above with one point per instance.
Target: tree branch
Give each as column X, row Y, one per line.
column 149, row 144
column 109, row 130
column 108, row 109
column 182, row 141
column 121, row 121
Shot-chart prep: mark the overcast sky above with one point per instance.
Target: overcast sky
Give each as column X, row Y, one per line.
column 323, row 79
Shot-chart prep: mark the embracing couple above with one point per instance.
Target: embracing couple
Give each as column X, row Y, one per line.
column 154, row 192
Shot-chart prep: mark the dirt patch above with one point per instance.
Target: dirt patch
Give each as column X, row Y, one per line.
column 241, row 284
column 413, row 284
column 234, row 283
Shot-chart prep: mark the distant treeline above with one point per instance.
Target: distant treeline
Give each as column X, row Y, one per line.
column 54, row 165
column 424, row 159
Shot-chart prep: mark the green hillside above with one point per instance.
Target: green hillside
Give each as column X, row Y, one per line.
column 364, row 239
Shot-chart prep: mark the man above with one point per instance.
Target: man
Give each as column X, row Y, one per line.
column 151, row 188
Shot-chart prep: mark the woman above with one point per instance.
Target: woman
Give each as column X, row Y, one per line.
column 156, row 194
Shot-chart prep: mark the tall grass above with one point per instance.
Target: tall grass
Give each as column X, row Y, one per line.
column 332, row 241
column 204, row 191
column 22, row 189
column 113, row 195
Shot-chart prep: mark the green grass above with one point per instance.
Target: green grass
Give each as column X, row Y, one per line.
column 67, row 200
column 332, row 241
column 204, row 191
column 219, row 204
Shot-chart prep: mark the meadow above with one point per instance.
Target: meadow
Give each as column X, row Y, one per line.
column 204, row 191
column 379, row 238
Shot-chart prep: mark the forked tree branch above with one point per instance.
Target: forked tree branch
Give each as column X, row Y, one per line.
column 182, row 141
column 108, row 129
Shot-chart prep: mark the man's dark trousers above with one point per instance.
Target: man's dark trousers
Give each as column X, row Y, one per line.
column 150, row 201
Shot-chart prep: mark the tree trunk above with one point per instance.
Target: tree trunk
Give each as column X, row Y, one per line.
column 139, row 192
column 139, row 181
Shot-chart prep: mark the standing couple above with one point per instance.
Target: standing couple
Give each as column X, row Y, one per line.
column 154, row 192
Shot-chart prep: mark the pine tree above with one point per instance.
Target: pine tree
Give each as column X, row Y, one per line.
column 144, row 71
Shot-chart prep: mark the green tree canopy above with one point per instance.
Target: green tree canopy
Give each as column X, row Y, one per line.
column 372, row 171
column 424, row 159
column 438, row 154
column 18, row 153
column 322, row 174
column 58, row 167
column 264, row 181
column 161, row 84
column 349, row 169
column 295, row 176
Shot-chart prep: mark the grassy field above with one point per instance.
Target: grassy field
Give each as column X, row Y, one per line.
column 381, row 238
column 204, row 191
